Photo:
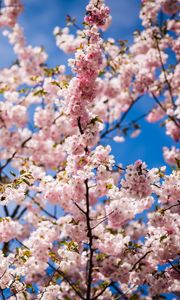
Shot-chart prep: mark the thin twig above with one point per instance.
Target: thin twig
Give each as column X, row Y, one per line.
column 77, row 205
column 174, row 205
column 90, row 236
column 14, row 154
column 6, row 211
column 163, row 108
column 121, row 119
column 174, row 267
column 164, row 72
column 101, row 292
column 67, row 280
column 139, row 260
column 21, row 213
column 59, row 272
column 14, row 213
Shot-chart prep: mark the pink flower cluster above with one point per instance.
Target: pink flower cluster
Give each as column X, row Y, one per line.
column 9, row 12
column 97, row 13
column 82, row 89
column 75, row 224
column 9, row 229
column 138, row 180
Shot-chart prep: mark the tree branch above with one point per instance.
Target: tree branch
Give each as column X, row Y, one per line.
column 139, row 260
column 176, row 269
column 174, row 205
column 14, row 154
column 164, row 71
column 121, row 119
column 90, row 236
column 67, row 280
column 163, row 108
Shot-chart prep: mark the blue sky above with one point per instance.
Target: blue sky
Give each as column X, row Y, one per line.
column 39, row 19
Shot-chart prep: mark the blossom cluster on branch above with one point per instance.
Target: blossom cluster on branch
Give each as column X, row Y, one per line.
column 70, row 217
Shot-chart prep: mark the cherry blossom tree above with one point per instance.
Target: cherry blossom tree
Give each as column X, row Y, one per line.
column 70, row 224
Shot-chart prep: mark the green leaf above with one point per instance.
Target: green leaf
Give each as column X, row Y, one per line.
column 104, row 284
column 2, row 91
column 163, row 237
column 56, row 83
column 109, row 186
column 26, row 181
column 134, row 297
column 40, row 93
column 63, row 243
column 96, row 119
column 101, row 256
column 74, row 222
column 22, row 172
column 101, row 73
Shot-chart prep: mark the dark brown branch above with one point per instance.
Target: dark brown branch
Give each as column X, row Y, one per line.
column 8, row 161
column 158, row 102
column 59, row 272
column 14, row 213
column 164, row 71
column 49, row 281
column 67, row 280
column 113, row 284
column 101, row 292
column 174, row 267
column 128, row 110
column 90, row 236
column 140, row 117
column 21, row 213
column 115, row 287
column 6, row 211
column 43, row 209
column 139, row 260
column 89, row 266
column 77, row 205
column 14, row 154
column 103, row 219
column 163, row 108
column 79, row 125
column 174, row 205
column 121, row 119
column 81, row 131
column 5, row 248
column 122, row 169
